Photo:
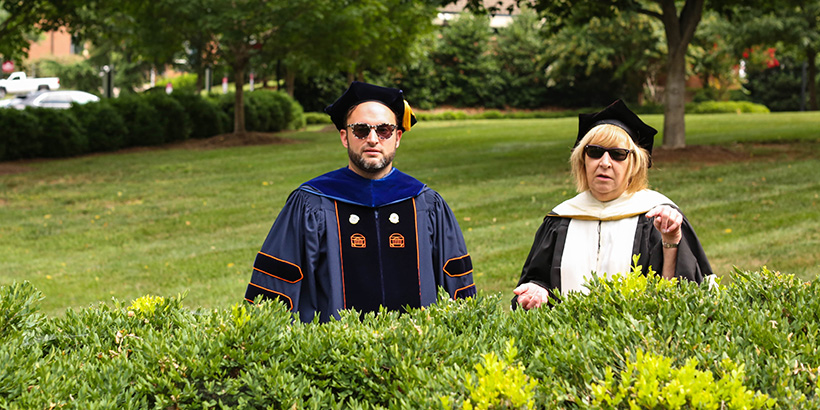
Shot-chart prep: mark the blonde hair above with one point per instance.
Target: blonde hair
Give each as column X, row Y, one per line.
column 612, row 136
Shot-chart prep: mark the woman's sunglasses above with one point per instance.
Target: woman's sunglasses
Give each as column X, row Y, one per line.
column 362, row 130
column 597, row 151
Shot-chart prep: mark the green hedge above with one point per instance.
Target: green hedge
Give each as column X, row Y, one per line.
column 151, row 118
column 206, row 118
column 715, row 107
column 707, row 107
column 140, row 118
column 61, row 133
column 634, row 341
column 103, row 125
column 265, row 111
column 174, row 120
column 21, row 134
column 317, row 118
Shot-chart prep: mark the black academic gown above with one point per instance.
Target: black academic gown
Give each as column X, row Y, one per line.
column 343, row 241
column 543, row 264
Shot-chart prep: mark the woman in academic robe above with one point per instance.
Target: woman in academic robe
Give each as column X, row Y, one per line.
column 614, row 216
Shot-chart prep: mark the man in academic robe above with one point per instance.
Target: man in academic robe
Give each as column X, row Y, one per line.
column 614, row 216
column 366, row 235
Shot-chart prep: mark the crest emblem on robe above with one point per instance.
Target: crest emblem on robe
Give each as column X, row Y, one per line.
column 396, row 240
column 357, row 240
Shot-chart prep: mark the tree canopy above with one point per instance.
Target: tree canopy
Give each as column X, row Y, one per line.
column 616, row 48
column 22, row 21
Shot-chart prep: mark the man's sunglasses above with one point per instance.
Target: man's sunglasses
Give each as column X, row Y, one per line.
column 362, row 130
column 597, row 151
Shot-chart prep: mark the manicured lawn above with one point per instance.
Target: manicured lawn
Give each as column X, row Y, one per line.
column 164, row 222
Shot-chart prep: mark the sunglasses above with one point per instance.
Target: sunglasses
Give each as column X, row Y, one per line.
column 597, row 151
column 362, row 130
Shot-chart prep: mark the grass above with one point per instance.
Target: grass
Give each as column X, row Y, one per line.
column 163, row 222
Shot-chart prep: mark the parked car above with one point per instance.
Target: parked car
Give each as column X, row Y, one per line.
column 52, row 99
column 18, row 83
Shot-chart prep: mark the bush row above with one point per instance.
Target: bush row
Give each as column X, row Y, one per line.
column 132, row 120
column 632, row 342
column 707, row 107
column 265, row 111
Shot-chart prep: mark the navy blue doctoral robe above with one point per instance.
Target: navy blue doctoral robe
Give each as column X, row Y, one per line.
column 343, row 241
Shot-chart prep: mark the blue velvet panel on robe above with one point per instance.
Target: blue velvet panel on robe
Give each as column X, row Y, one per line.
column 347, row 186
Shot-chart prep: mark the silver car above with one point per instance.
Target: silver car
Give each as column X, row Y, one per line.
column 51, row 99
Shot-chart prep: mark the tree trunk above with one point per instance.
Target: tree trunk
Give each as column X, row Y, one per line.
column 674, row 124
column 239, row 100
column 290, row 81
column 200, row 79
column 811, row 73
column 679, row 33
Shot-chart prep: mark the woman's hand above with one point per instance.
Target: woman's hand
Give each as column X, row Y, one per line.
column 531, row 295
column 668, row 222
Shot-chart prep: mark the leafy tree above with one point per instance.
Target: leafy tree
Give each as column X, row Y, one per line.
column 114, row 30
column 467, row 72
column 680, row 20
column 134, row 36
column 347, row 40
column 244, row 27
column 418, row 77
column 21, row 21
column 309, row 48
column 679, row 27
column 521, row 51
column 716, row 56
column 376, row 34
column 778, row 86
column 75, row 72
column 794, row 23
column 620, row 54
column 164, row 31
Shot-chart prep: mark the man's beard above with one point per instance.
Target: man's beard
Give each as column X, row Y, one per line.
column 369, row 166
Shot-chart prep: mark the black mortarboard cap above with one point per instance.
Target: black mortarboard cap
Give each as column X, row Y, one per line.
column 359, row 92
column 619, row 115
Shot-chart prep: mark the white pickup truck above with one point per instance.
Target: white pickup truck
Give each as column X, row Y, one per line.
column 17, row 83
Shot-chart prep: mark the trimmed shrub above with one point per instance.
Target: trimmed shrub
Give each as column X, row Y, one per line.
column 443, row 116
column 61, row 134
column 103, row 125
column 317, row 118
column 131, row 120
column 206, row 118
column 265, row 111
column 714, row 107
column 294, row 114
column 140, row 119
column 226, row 103
column 491, row 115
column 19, row 128
column 633, row 342
column 172, row 117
